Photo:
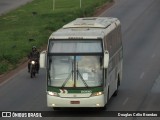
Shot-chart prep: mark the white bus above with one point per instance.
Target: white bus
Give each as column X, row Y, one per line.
column 83, row 63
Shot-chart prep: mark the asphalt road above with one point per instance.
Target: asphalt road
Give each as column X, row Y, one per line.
column 8, row 5
column 140, row 89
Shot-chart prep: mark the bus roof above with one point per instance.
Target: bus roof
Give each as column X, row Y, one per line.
column 91, row 22
column 89, row 27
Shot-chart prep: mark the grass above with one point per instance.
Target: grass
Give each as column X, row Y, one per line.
column 33, row 23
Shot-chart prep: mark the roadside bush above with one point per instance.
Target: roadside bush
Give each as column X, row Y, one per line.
column 3, row 67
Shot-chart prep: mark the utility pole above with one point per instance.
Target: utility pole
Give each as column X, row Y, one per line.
column 80, row 3
column 54, row 1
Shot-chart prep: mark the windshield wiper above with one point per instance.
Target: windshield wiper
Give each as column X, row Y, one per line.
column 78, row 73
column 73, row 74
column 65, row 82
column 69, row 76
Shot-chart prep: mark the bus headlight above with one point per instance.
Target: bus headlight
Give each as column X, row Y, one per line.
column 96, row 94
column 52, row 93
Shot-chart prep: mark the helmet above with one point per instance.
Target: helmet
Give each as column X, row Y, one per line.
column 34, row 48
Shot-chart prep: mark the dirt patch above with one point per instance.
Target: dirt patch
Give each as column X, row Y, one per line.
column 101, row 9
column 7, row 75
column 24, row 62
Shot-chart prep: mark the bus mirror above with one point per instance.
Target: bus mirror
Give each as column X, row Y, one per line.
column 43, row 59
column 106, row 59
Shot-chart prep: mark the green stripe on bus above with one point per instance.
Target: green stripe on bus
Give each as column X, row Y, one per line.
column 69, row 90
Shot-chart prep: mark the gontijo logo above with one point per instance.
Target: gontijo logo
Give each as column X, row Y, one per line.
column 63, row 91
column 86, row 91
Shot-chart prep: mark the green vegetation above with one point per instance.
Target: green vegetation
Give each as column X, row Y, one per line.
column 33, row 23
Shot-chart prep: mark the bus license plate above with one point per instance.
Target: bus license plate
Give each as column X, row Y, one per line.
column 75, row 102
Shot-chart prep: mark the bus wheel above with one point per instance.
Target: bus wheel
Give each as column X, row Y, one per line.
column 56, row 108
column 103, row 108
column 116, row 92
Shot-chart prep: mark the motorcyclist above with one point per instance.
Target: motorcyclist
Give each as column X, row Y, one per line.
column 34, row 54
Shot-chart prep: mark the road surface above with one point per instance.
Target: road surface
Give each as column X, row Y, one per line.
column 140, row 89
column 8, row 5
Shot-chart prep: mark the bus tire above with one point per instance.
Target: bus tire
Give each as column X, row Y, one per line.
column 108, row 96
column 56, row 108
column 103, row 108
column 116, row 92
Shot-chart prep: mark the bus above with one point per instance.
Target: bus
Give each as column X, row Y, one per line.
column 83, row 62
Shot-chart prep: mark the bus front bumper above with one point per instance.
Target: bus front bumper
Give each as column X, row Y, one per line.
column 96, row 101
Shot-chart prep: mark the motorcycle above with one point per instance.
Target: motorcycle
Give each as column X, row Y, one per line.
column 33, row 68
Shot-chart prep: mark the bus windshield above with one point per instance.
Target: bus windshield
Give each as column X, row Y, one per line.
column 75, row 71
column 75, row 46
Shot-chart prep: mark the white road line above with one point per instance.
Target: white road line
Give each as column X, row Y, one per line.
column 126, row 100
column 12, row 77
column 142, row 75
column 4, row 82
